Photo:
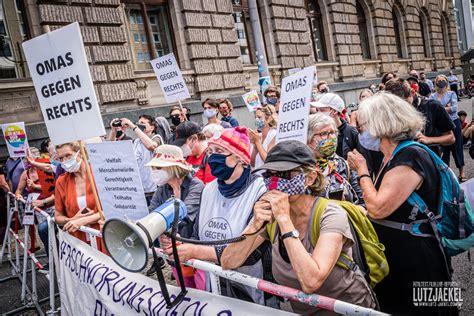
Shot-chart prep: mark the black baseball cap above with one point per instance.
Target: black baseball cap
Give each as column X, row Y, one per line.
column 288, row 155
column 184, row 130
column 413, row 78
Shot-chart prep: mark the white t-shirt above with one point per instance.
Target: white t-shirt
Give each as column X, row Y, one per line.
column 143, row 156
column 270, row 135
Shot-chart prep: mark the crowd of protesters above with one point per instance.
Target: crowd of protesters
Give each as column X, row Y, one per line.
column 235, row 180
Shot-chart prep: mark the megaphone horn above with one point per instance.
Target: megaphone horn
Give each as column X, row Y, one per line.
column 128, row 241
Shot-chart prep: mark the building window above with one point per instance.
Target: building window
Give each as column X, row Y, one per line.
column 363, row 31
column 240, row 16
column 446, row 35
column 399, row 30
column 13, row 31
column 317, row 30
column 150, row 35
column 425, row 36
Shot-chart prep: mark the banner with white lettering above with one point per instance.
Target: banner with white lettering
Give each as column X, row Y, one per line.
column 118, row 181
column 294, row 106
column 16, row 139
column 58, row 65
column 90, row 283
column 170, row 78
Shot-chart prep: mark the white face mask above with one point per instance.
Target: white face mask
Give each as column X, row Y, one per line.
column 186, row 150
column 72, row 165
column 209, row 113
column 160, row 177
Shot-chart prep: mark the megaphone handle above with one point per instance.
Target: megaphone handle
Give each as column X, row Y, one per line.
column 174, row 231
column 161, row 279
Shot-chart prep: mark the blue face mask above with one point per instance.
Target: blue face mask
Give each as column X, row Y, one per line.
column 259, row 123
column 219, row 169
column 369, row 142
column 272, row 100
column 209, row 113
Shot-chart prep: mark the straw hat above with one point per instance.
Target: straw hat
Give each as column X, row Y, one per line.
column 167, row 156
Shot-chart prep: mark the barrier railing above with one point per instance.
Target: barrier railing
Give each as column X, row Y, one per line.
column 29, row 297
column 214, row 271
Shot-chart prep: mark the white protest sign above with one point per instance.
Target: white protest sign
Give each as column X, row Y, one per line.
column 294, row 106
column 58, row 66
column 292, row 71
column 16, row 139
column 251, row 100
column 29, row 216
column 170, row 78
column 118, row 181
column 91, row 283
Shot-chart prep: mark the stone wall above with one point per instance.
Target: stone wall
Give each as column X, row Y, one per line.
column 105, row 42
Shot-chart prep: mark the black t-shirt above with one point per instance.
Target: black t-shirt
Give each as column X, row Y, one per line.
column 437, row 119
column 410, row 258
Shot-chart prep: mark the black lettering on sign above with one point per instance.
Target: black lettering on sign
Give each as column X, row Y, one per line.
column 217, row 228
column 292, row 85
column 164, row 63
column 54, row 64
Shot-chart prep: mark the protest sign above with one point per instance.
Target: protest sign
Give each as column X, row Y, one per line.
column 46, row 179
column 294, row 106
column 264, row 83
column 63, row 84
column 292, row 71
column 91, row 283
column 118, row 180
column 29, row 215
column 15, row 138
column 170, row 78
column 251, row 100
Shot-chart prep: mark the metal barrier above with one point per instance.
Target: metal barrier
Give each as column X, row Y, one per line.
column 29, row 297
column 216, row 271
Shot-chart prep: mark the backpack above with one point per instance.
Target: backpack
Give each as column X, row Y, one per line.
column 453, row 226
column 367, row 252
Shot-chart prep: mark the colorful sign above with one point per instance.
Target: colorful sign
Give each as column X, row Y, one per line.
column 60, row 72
column 251, row 100
column 16, row 139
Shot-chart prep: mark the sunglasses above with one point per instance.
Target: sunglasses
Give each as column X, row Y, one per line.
column 280, row 174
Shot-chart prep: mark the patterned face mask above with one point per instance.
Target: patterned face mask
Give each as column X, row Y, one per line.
column 327, row 147
column 293, row 186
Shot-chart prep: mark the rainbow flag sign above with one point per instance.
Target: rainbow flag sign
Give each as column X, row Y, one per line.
column 15, row 138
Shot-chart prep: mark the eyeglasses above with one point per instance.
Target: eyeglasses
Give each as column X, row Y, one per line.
column 280, row 174
column 324, row 135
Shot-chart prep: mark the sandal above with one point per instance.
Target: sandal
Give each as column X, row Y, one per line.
column 462, row 179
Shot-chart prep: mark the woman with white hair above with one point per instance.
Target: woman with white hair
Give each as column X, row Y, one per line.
column 342, row 182
column 385, row 122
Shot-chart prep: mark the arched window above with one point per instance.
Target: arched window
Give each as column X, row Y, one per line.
column 446, row 35
column 425, row 35
column 364, row 31
column 399, row 29
column 317, row 30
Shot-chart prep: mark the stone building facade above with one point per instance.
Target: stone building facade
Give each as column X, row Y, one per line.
column 351, row 42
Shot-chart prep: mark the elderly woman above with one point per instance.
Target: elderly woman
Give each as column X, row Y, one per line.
column 263, row 139
column 342, row 183
column 226, row 209
column 74, row 200
column 294, row 183
column 449, row 100
column 388, row 121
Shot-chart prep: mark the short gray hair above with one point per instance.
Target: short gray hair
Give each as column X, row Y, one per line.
column 317, row 122
column 388, row 116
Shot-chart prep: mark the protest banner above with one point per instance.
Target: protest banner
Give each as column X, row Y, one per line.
column 60, row 72
column 118, row 180
column 91, row 283
column 170, row 78
column 16, row 139
column 29, row 215
column 251, row 100
column 294, row 106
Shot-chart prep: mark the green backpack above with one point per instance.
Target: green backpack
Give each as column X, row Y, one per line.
column 368, row 252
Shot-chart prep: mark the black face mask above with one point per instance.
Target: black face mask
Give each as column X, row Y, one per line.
column 118, row 134
column 325, row 90
column 176, row 120
column 141, row 127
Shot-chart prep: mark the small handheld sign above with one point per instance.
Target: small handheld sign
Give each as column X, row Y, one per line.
column 170, row 78
column 251, row 100
column 16, row 139
column 294, row 106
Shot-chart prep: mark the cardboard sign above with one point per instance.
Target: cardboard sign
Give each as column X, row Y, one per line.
column 91, row 283
column 63, row 84
column 251, row 100
column 294, row 106
column 16, row 139
column 170, row 78
column 118, row 181
column 29, row 216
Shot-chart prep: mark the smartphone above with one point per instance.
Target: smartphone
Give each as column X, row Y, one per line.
column 85, row 210
column 336, row 195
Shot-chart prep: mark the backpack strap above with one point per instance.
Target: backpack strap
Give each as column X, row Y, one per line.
column 271, row 230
